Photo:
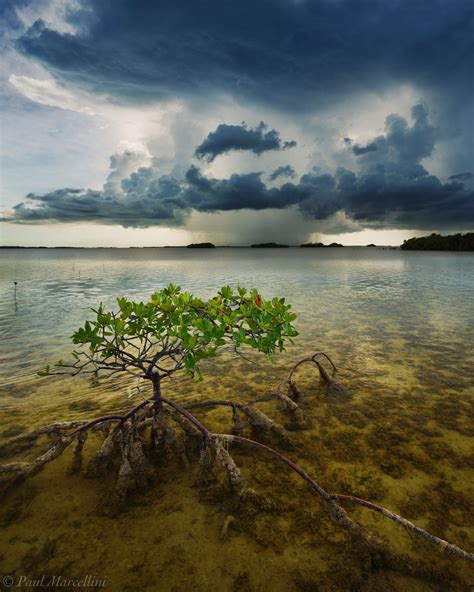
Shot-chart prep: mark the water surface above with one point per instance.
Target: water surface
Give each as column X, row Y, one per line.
column 400, row 327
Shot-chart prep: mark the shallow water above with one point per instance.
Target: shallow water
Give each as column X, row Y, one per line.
column 400, row 327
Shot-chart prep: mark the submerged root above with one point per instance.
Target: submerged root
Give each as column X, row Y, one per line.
column 134, row 472
column 250, row 501
column 124, row 485
column 294, row 392
column 77, row 454
column 442, row 545
column 104, row 457
column 13, row 473
column 142, row 470
column 234, row 475
column 28, row 440
column 206, row 466
column 164, row 437
column 237, row 424
column 261, row 423
column 334, row 387
column 298, row 421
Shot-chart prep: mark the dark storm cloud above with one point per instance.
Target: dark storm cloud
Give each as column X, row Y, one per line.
column 392, row 189
column 240, row 137
column 461, row 177
column 401, row 144
column 358, row 150
column 283, row 53
column 146, row 201
column 282, row 171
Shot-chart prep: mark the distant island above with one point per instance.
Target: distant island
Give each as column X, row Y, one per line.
column 320, row 245
column 437, row 242
column 200, row 246
column 371, row 245
column 269, row 246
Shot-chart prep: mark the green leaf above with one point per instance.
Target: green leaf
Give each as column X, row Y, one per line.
column 193, row 328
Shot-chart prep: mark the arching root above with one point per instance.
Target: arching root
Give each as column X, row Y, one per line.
column 77, row 454
column 103, row 460
column 28, row 440
column 142, row 470
column 135, row 472
column 333, row 387
column 261, row 423
column 252, row 501
column 427, row 536
column 298, row 421
column 225, row 460
column 238, row 426
column 294, row 392
column 13, row 473
column 124, row 485
column 206, row 466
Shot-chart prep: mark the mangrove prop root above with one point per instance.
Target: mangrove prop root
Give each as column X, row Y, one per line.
column 252, row 501
column 141, row 468
column 258, row 420
column 174, row 442
column 206, row 465
column 13, row 473
column 28, row 440
column 228, row 464
column 333, row 386
column 294, row 392
column 288, row 405
column 294, row 411
column 427, row 536
column 262, row 423
column 163, row 432
column 154, row 432
column 191, row 432
column 125, row 481
column 237, row 425
column 77, row 454
column 103, row 458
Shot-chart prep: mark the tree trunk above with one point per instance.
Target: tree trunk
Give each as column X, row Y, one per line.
column 156, row 381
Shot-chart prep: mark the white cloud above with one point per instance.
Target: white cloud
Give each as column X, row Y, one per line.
column 48, row 92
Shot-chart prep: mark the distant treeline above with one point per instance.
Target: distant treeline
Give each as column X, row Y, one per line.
column 321, row 245
column 201, row 246
column 436, row 242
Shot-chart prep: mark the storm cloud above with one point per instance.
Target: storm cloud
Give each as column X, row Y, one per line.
column 240, row 137
column 358, row 150
column 287, row 54
column 282, row 171
column 392, row 189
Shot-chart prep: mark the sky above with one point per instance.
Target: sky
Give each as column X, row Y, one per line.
column 150, row 123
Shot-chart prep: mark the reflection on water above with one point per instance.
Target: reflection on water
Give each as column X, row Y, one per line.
column 400, row 327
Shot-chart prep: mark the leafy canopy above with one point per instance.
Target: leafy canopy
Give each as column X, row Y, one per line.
column 175, row 330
